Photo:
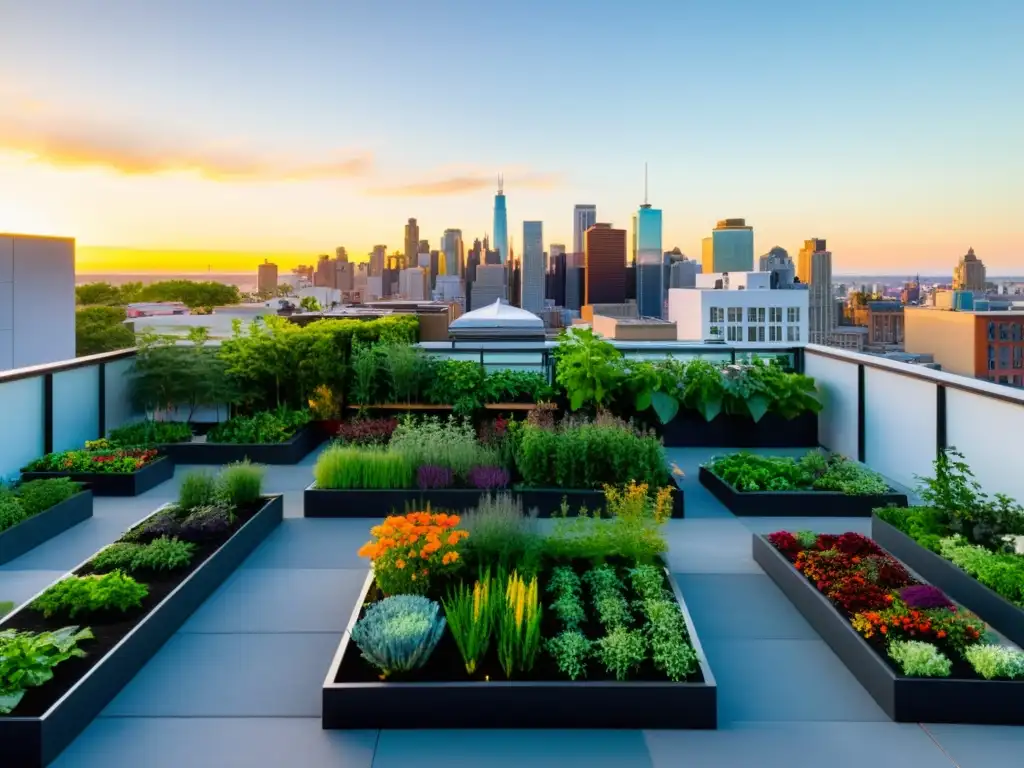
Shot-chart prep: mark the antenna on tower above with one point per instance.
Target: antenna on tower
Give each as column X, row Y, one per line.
column 501, row 184
column 645, row 183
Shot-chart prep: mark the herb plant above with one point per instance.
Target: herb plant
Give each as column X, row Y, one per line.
column 398, row 634
column 88, row 595
column 571, row 650
column 241, row 484
column 145, row 433
column 996, row 662
column 198, row 489
column 27, row 660
column 622, row 651
column 37, row 496
column 917, row 659
column 264, row 427
column 162, row 554
column 753, row 472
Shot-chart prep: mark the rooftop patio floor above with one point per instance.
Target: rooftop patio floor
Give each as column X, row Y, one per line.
column 239, row 684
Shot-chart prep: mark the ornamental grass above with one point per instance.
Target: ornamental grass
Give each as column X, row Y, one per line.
column 344, row 467
column 471, row 617
column 519, row 626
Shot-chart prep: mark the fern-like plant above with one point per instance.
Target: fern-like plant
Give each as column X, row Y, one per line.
column 399, row 633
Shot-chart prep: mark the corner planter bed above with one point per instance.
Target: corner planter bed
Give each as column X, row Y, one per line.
column 1006, row 617
column 359, row 503
column 34, row 530
column 802, row 503
column 116, row 483
column 354, row 698
column 961, row 698
column 51, row 716
column 292, row 451
column 689, row 429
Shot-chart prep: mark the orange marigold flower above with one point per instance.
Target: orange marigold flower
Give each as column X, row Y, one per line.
column 453, row 539
column 369, row 549
column 399, row 564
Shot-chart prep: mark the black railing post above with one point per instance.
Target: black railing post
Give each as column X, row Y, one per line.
column 48, row 413
column 940, row 419
column 102, row 410
column 861, row 448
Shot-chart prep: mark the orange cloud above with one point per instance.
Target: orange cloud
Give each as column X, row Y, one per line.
column 458, row 185
column 68, row 141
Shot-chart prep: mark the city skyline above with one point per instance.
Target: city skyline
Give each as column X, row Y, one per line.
column 307, row 154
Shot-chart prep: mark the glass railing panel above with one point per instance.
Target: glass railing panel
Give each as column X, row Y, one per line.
column 21, row 434
column 76, row 407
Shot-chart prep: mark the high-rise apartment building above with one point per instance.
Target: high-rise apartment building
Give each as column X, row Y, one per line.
column 340, row 253
column 412, row 284
column 476, row 258
column 604, row 259
column 378, row 259
column 266, row 278
column 532, row 275
column 650, row 263
column 491, row 285
column 814, row 268
column 423, row 247
column 778, row 262
column 729, row 249
column 500, row 223
column 324, row 275
column 412, row 242
column 555, row 290
column 969, row 274
column 451, row 247
column 344, row 274
column 583, row 218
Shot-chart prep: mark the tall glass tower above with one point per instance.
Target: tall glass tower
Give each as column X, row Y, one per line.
column 650, row 260
column 501, row 223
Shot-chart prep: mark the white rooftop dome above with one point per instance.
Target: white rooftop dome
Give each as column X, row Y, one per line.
column 498, row 319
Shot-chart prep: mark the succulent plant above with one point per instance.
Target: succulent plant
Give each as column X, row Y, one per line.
column 398, row 634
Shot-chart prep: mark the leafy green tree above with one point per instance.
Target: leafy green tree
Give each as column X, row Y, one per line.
column 192, row 294
column 93, row 294
column 284, row 290
column 101, row 329
column 169, row 373
column 309, row 304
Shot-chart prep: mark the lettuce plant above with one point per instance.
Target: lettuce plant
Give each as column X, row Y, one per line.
column 27, row 660
column 399, row 633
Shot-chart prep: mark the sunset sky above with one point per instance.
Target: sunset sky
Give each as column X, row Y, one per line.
column 891, row 127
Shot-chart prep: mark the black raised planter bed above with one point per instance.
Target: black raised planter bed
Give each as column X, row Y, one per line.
column 962, row 587
column 36, row 741
column 517, row 704
column 904, row 699
column 33, row 531
column 292, row 451
column 795, row 503
column 319, row 502
column 116, row 484
column 691, row 430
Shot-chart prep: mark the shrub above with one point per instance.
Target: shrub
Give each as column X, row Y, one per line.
column 622, row 651
column 450, row 443
column 671, row 649
column 264, row 427
column 37, row 496
column 996, row 661
column 458, row 383
column 917, row 659
column 91, row 594
column 162, row 554
column 753, row 472
column 151, row 433
column 471, row 618
column 500, row 533
column 341, row 468
column 198, row 489
column 27, row 660
column 407, row 552
column 432, row 476
column 363, row 432
column 488, row 478
column 571, row 649
column 241, row 484
column 519, row 626
column 1001, row 572
column 399, row 633
column 11, row 512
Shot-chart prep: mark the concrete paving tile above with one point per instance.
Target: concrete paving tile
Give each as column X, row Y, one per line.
column 281, row 600
column 262, row 675
column 816, row 524
column 119, row 742
column 77, row 544
column 782, row 745
column 313, row 543
column 980, row 746
column 741, row 607
column 709, row 545
column 511, row 749
column 19, row 586
column 785, row 680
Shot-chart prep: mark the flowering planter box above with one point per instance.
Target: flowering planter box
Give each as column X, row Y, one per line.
column 116, row 484
column 33, row 531
column 796, row 503
column 691, row 430
column 36, row 741
column 962, row 587
column 516, row 704
column 292, row 451
column 319, row 502
column 904, row 699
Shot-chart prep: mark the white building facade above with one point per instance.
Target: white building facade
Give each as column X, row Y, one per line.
column 740, row 310
column 37, row 300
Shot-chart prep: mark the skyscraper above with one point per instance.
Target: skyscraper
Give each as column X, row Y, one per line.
column 729, row 249
column 340, row 253
column 451, row 246
column 412, row 242
column 814, row 268
column 491, row 285
column 378, row 259
column 583, row 218
column 969, row 274
column 266, row 277
column 500, row 223
column 604, row 260
column 532, row 298
column 649, row 259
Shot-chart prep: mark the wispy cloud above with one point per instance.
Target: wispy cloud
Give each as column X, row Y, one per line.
column 462, row 184
column 35, row 129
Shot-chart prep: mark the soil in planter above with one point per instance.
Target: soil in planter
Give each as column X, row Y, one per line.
column 109, row 628
column 447, row 666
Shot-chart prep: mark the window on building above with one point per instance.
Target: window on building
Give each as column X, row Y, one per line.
column 792, row 333
column 760, row 314
column 751, row 314
column 735, row 314
column 775, row 332
column 792, row 314
column 717, row 315
column 735, row 333
column 1004, row 356
column 991, row 331
column 752, row 332
column 1004, row 379
column 1018, row 356
column 991, row 357
column 1014, row 331
column 1004, row 331
column 760, row 331
column 775, row 314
